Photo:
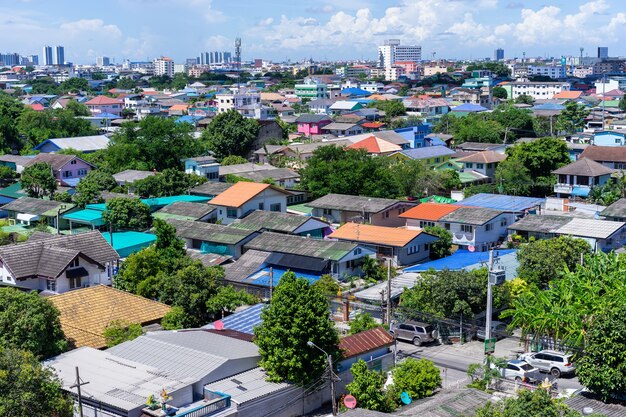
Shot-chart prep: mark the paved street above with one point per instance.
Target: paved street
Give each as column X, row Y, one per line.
column 454, row 359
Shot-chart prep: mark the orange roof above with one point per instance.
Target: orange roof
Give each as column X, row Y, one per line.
column 373, row 144
column 568, row 95
column 372, row 125
column 102, row 100
column 485, row 157
column 240, row 193
column 429, row 211
column 364, row 342
column 391, row 236
column 179, row 107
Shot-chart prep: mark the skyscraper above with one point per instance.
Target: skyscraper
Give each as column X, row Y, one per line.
column 59, row 55
column 603, row 52
column 103, row 61
column 47, row 55
column 391, row 52
column 498, row 55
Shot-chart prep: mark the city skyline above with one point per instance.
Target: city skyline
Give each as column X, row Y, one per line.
column 469, row 29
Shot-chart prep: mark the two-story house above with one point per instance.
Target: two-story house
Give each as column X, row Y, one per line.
column 67, row 169
column 312, row 124
column 484, row 163
column 609, row 156
column 245, row 197
column 103, row 104
column 205, row 166
column 342, row 208
column 578, row 178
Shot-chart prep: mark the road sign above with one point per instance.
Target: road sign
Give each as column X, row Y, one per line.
column 349, row 401
column 490, row 345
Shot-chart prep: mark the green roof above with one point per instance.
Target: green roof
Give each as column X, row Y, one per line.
column 301, row 208
column 127, row 243
column 166, row 216
column 93, row 217
column 13, row 191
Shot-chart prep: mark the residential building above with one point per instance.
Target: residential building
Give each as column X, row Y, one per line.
column 185, row 210
column 480, row 147
column 86, row 312
column 609, row 156
column 404, row 246
column 609, row 139
column 343, row 129
column 321, row 105
column 578, row 178
column 609, row 66
column 427, row 214
column 287, row 223
column 244, row 197
column 426, row 107
column 374, row 346
column 520, row 206
column 394, row 73
column 46, row 56
column 375, row 146
column 538, row 90
column 311, row 89
column 615, row 212
column 164, row 66
column 345, row 106
column 391, row 51
column 582, row 72
column 283, row 177
column 67, row 169
column 27, row 211
column 58, row 58
column 555, row 72
column 476, row 227
column 205, row 166
column 312, row 124
column 341, row 208
column 58, row 263
column 484, row 163
column 431, row 155
column 84, row 144
column 238, row 100
column 210, row 189
column 105, row 105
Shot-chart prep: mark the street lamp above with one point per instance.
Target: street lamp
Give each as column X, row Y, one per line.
column 331, row 375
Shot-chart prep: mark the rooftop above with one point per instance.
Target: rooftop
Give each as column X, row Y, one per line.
column 485, row 157
column 502, row 202
column 86, row 312
column 249, row 263
column 543, row 223
column 129, row 242
column 367, row 233
column 429, row 211
column 375, row 145
column 185, row 209
column 55, row 160
column 132, row 175
column 209, row 232
column 81, row 143
column 314, row 248
column 240, row 193
column 278, row 174
column 471, row 215
column 617, row 209
column 247, row 386
column 605, row 153
column 246, row 167
column 38, row 206
column 242, row 321
column 312, row 118
column 584, row 167
column 363, row 342
column 355, row 203
column 591, row 228
column 101, row 101
column 464, row 259
column 211, row 188
column 281, row 222
column 428, row 152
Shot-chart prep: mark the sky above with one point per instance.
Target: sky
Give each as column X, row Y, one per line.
column 320, row 29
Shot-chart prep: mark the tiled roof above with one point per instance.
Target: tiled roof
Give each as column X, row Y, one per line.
column 312, row 118
column 86, row 312
column 81, row 143
column 278, row 174
column 208, row 232
column 429, row 211
column 297, row 245
column 102, row 101
column 92, row 244
column 364, row 342
column 471, row 215
column 240, row 193
column 187, row 209
column 375, row 145
column 542, row 224
column 37, row 206
column 584, row 167
column 249, row 263
column 55, row 160
column 428, row 152
column 352, row 203
column 617, row 209
column 605, row 153
column 261, row 219
column 367, row 233
column 568, row 95
column 211, row 188
column 485, row 157
column 132, row 175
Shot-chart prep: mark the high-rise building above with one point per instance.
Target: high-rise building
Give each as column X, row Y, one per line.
column 164, row 66
column 498, row 55
column 103, row 61
column 59, row 55
column 391, row 51
column 10, row 59
column 603, row 52
column 47, row 55
column 33, row 59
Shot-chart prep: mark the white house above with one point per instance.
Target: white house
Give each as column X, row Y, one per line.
column 538, row 90
column 205, row 166
column 245, row 197
column 480, row 228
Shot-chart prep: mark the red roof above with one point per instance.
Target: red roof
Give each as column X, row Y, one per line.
column 372, row 125
column 375, row 145
column 429, row 211
column 102, row 101
column 364, row 342
column 37, row 106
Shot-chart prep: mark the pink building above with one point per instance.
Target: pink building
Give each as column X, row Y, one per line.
column 312, row 124
column 67, row 169
column 103, row 104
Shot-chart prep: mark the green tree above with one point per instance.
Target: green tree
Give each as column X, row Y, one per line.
column 168, row 245
column 138, row 273
column 537, row 403
column 77, row 109
column 419, row 377
column 227, row 299
column 513, row 178
column 367, row 387
column 167, row 183
column 473, row 128
column 497, row 68
column 174, row 319
column 514, row 119
column 440, row 248
column 572, row 119
column 36, row 126
column 63, row 197
column 622, row 104
column 127, row 213
column 499, row 92
column 233, row 160
column 7, row 175
column 120, row 331
column 297, row 313
column 543, row 260
column 392, row 108
column 37, row 180
column 126, row 83
column 230, row 133
column 31, row 323
column 327, row 285
column 30, row 388
column 90, row 187
column 74, row 85
column 361, row 323
column 524, row 99
column 10, row 111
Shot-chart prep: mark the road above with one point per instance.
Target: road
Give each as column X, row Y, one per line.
column 453, row 360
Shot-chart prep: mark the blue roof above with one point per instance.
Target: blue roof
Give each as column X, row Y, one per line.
column 580, row 191
column 435, row 141
column 72, row 182
column 353, row 91
column 469, row 107
column 462, row 259
column 127, row 243
column 427, row 152
column 243, row 321
column 549, row 106
column 188, row 119
column 159, row 202
column 262, row 277
column 107, row 116
column 502, row 202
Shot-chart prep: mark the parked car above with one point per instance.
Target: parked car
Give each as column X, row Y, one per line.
column 498, row 330
column 414, row 332
column 556, row 363
column 520, row 371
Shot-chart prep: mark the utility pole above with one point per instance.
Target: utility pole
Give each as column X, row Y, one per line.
column 382, row 306
column 271, row 282
column 489, row 301
column 331, row 375
column 77, row 385
column 389, row 291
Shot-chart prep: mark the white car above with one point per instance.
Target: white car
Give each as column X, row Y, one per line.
column 557, row 363
column 520, row 371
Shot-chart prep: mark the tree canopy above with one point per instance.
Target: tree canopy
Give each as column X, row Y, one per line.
column 120, row 331
column 297, row 313
column 169, row 182
column 37, row 180
column 419, row 377
column 528, row 403
column 230, row 133
column 367, row 387
column 37, row 126
column 127, row 213
column 90, row 187
column 361, row 323
column 440, row 248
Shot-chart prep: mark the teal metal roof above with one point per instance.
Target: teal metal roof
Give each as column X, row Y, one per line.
column 93, row 217
column 127, row 243
column 159, row 202
column 13, row 191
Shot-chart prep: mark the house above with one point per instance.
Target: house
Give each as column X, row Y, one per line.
column 86, row 312
column 427, row 214
column 477, row 228
column 374, row 346
column 468, row 108
column 508, row 203
column 602, row 235
column 312, row 124
column 609, row 156
column 479, row 147
column 84, row 144
column 129, row 176
column 58, row 263
column 343, row 129
column 345, row 106
column 210, row 189
column 538, row 90
column 609, row 138
column 426, row 107
column 28, row 211
column 200, row 355
column 245, row 197
column 342, row 208
column 205, row 166
column 375, row 146
column 67, row 169
column 104, row 104
column 321, row 105
column 213, row 238
column 405, row 246
column 615, row 212
column 484, row 163
column 307, row 257
column 287, row 223
column 184, row 210
column 578, row 178
column 238, row 169
column 431, row 155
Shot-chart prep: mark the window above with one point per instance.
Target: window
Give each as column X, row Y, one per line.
column 413, row 249
column 357, row 251
column 406, row 327
column 466, row 228
column 489, row 227
column 275, row 207
column 67, row 174
column 426, row 247
column 261, row 206
column 82, row 172
column 74, row 263
column 73, row 162
column 480, row 166
column 503, row 222
column 327, row 212
column 469, row 165
column 618, row 140
column 231, row 213
column 426, row 224
column 212, row 175
column 75, row 283
column 446, row 226
column 51, row 285
column 386, row 214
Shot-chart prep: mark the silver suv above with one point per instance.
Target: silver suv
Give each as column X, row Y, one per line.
column 556, row 363
column 414, row 332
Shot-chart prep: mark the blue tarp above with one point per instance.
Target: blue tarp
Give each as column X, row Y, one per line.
column 353, row 91
column 263, row 276
column 243, row 321
column 580, row 191
column 502, row 202
column 469, row 107
column 458, row 260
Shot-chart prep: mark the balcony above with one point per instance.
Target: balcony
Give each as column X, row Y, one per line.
column 574, row 190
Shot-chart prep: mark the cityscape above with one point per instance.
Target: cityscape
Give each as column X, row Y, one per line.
column 312, row 209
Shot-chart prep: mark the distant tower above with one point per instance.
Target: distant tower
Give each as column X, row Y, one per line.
column 238, row 53
column 523, row 57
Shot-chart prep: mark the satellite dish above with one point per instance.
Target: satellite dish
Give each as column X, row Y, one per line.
column 471, row 248
column 219, row 325
column 405, row 398
column 349, row 401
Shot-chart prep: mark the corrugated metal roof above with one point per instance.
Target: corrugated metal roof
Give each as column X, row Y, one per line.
column 242, row 321
column 315, row 248
column 502, row 202
column 398, row 284
column 274, row 221
column 248, row 386
column 617, row 209
column 586, row 399
column 208, row 232
column 352, row 203
column 598, row 229
column 364, row 342
column 471, row 215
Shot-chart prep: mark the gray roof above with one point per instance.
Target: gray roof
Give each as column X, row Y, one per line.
column 361, row 412
column 249, row 263
column 185, row 353
column 312, row 118
column 82, row 143
column 586, row 399
column 249, row 385
column 211, row 188
column 356, row 203
column 542, row 224
column 203, row 159
column 188, row 209
column 208, row 232
column 273, row 221
column 18, row 160
column 448, row 403
column 268, row 149
column 478, row 146
column 310, row 147
column 584, row 167
column 387, row 135
column 247, row 167
column 208, row 259
column 340, row 126
column 597, row 229
column 132, row 175
column 617, row 209
column 297, row 245
column 277, row 174
column 471, row 215
column 37, row 206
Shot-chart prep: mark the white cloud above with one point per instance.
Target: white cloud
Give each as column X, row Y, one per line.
column 91, row 26
column 218, row 43
column 205, row 9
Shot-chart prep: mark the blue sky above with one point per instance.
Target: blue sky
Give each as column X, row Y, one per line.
column 321, row 29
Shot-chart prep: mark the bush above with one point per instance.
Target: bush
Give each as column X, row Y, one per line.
column 419, row 377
